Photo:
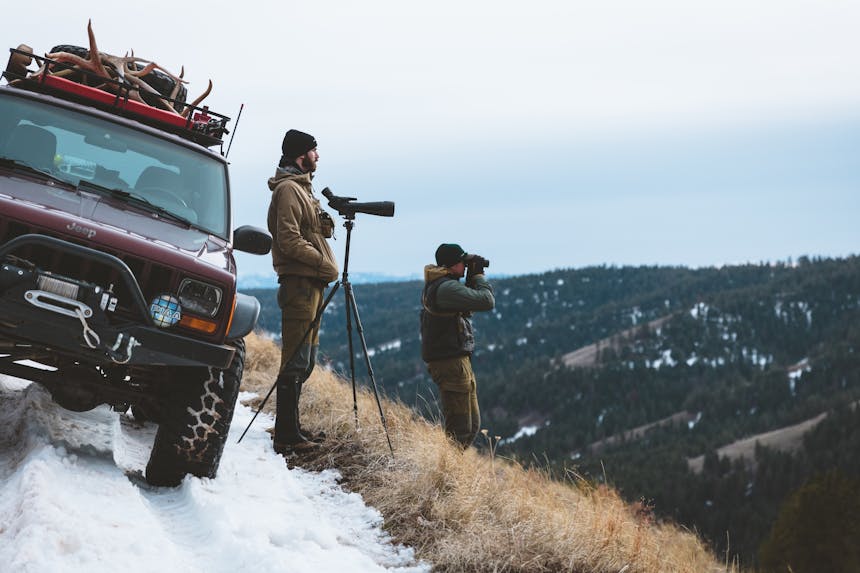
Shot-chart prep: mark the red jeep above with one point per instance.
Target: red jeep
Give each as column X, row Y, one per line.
column 117, row 276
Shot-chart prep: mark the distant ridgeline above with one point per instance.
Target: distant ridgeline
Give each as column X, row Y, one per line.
column 649, row 374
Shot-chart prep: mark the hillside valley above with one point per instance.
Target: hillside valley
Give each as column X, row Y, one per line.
column 646, row 376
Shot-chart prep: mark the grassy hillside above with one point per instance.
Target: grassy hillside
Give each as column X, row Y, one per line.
column 624, row 374
column 475, row 512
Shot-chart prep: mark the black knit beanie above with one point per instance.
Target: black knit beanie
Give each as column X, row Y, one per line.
column 449, row 254
column 297, row 143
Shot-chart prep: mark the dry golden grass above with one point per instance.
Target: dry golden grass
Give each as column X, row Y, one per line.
column 468, row 511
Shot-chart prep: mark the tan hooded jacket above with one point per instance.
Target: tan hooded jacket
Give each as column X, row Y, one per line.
column 295, row 220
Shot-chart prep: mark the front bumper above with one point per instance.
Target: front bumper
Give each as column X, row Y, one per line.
column 132, row 344
column 81, row 325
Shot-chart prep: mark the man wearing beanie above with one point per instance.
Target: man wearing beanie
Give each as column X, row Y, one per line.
column 447, row 341
column 305, row 265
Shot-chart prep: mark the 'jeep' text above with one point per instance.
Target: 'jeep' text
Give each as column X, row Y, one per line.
column 86, row 231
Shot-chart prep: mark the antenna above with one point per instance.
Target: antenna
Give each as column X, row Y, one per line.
column 235, row 127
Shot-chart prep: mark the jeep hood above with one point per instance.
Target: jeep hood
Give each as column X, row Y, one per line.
column 101, row 219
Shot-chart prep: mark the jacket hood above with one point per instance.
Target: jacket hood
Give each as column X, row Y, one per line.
column 433, row 272
column 289, row 173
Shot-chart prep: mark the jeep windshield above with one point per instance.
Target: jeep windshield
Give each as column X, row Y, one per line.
column 90, row 152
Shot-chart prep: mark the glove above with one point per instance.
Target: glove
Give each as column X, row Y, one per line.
column 475, row 264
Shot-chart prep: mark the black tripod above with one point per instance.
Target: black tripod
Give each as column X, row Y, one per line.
column 351, row 309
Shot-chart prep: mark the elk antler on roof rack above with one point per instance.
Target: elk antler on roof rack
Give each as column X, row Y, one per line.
column 128, row 78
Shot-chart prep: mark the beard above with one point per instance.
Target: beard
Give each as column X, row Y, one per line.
column 307, row 164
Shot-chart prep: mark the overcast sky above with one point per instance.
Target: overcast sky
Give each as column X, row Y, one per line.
column 542, row 135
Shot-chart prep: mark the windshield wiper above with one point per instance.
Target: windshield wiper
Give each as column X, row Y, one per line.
column 21, row 167
column 135, row 199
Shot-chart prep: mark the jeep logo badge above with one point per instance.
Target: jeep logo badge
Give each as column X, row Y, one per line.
column 81, row 230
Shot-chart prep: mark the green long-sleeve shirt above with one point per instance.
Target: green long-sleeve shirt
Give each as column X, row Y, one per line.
column 475, row 295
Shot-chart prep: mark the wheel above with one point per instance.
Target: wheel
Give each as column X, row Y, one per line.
column 143, row 413
column 164, row 84
column 76, row 51
column 198, row 413
column 155, row 192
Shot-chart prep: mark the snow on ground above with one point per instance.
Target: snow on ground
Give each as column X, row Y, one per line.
column 524, row 432
column 71, row 500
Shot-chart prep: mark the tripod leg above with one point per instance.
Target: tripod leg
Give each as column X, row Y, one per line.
column 316, row 320
column 348, row 312
column 350, row 296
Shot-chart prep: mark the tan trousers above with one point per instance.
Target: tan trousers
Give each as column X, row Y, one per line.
column 458, row 393
column 299, row 298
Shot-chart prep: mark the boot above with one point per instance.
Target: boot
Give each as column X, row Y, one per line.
column 315, row 437
column 287, row 435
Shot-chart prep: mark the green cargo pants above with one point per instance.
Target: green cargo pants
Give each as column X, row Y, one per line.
column 458, row 393
column 299, row 298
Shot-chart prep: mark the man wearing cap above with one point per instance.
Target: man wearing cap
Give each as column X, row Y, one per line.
column 305, row 265
column 447, row 341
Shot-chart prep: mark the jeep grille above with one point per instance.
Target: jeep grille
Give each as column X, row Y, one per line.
column 152, row 278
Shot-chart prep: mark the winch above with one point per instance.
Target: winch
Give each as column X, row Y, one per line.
column 73, row 298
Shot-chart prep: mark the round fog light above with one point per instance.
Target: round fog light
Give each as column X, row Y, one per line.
column 165, row 310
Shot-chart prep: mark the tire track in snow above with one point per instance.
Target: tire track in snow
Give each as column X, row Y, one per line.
column 71, row 499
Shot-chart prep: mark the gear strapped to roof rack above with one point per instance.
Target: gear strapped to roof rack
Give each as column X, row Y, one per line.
column 124, row 86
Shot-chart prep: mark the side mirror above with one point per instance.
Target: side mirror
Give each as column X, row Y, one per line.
column 252, row 240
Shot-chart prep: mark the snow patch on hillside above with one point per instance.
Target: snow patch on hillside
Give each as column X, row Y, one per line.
column 72, row 500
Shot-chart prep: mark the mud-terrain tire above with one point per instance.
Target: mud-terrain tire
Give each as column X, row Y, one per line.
column 164, row 84
column 198, row 413
column 75, row 51
column 158, row 80
column 143, row 414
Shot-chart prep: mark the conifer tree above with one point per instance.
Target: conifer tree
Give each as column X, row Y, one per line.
column 817, row 528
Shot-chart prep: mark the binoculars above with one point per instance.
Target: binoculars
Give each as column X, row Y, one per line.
column 476, row 261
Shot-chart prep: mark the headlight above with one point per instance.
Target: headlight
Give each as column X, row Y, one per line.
column 199, row 298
